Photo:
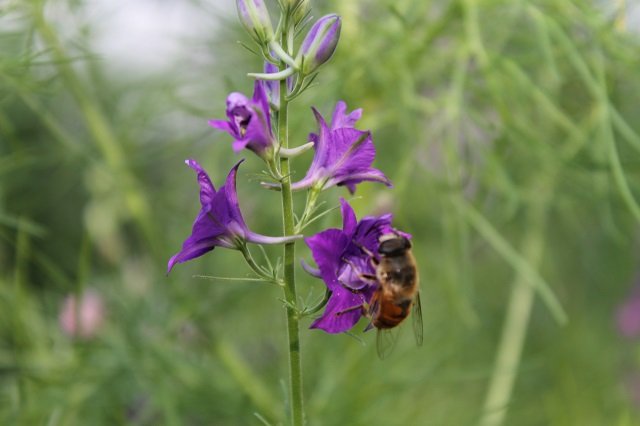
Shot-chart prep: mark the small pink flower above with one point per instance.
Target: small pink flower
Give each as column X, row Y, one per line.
column 628, row 316
column 83, row 321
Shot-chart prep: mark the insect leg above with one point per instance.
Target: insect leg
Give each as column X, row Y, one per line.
column 372, row 256
column 362, row 307
column 361, row 275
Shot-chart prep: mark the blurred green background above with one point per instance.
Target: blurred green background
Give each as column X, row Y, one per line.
column 509, row 129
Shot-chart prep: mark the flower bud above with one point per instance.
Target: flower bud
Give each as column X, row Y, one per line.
column 255, row 18
column 319, row 44
column 298, row 9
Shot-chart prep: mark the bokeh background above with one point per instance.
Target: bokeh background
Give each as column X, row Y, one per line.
column 509, row 128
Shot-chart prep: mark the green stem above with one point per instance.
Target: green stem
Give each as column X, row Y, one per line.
column 293, row 326
column 257, row 269
column 516, row 322
column 309, row 208
column 243, row 374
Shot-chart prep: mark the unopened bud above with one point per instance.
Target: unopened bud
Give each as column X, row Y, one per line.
column 298, row 9
column 319, row 44
column 255, row 18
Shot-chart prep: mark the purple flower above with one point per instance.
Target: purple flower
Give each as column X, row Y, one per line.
column 220, row 221
column 342, row 261
column 343, row 155
column 249, row 122
column 319, row 44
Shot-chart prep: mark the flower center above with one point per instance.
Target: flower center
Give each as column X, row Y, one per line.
column 241, row 118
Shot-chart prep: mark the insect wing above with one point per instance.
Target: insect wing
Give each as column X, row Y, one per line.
column 417, row 320
column 385, row 341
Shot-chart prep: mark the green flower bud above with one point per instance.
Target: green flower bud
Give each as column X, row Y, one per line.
column 255, row 18
column 298, row 9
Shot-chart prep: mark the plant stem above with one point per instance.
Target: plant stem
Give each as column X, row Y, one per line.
column 260, row 272
column 293, row 327
column 516, row 321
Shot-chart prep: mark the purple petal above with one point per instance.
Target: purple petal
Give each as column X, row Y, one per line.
column 349, row 220
column 237, row 100
column 321, row 147
column 321, row 144
column 205, row 235
column 353, row 267
column 351, row 186
column 370, row 229
column 371, row 175
column 326, row 248
column 349, row 152
column 191, row 249
column 335, row 319
column 340, row 119
column 220, row 125
column 260, row 98
column 207, row 190
column 231, row 197
column 239, row 145
column 314, row 272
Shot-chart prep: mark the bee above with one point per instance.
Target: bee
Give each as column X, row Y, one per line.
column 398, row 292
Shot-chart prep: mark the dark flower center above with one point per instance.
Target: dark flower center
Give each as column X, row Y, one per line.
column 241, row 118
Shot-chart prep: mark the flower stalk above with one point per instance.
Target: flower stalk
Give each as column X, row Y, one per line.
column 342, row 156
column 293, row 325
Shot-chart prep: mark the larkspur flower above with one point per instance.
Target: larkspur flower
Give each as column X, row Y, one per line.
column 220, row 222
column 342, row 261
column 343, row 154
column 249, row 122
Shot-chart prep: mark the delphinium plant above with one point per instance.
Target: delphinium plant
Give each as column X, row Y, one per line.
column 343, row 156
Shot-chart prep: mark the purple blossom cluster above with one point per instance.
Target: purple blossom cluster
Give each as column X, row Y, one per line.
column 343, row 156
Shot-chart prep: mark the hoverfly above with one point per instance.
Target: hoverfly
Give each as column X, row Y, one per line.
column 398, row 292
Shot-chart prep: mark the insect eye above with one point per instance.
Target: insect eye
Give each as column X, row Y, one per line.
column 393, row 247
